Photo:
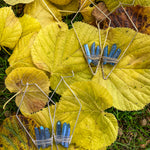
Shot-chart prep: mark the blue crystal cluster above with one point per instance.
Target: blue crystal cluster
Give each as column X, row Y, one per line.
column 114, row 53
column 64, row 134
column 41, row 136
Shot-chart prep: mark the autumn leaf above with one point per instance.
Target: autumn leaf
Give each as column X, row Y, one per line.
column 129, row 83
column 34, row 99
column 39, row 11
column 29, row 25
column 87, row 17
column 57, row 51
column 138, row 14
column 13, row 136
column 42, row 117
column 10, row 28
column 62, row 2
column 91, row 13
column 14, row 2
column 111, row 4
column 94, row 125
column 85, row 4
column 72, row 7
column 21, row 56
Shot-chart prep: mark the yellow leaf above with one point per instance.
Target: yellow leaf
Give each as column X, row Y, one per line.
column 38, row 10
column 62, row 2
column 72, row 7
column 95, row 128
column 13, row 136
column 59, row 52
column 129, row 83
column 10, row 28
column 87, row 3
column 34, row 99
column 14, row 2
column 22, row 52
column 29, row 25
column 21, row 56
column 87, row 15
column 111, row 4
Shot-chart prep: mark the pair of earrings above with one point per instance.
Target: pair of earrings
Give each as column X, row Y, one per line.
column 114, row 54
column 62, row 136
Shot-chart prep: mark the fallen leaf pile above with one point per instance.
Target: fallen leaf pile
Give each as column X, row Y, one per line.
column 44, row 50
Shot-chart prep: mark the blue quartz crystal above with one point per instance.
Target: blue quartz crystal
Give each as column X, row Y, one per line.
column 58, row 130
column 116, row 55
column 64, row 130
column 47, row 135
column 42, row 137
column 112, row 51
column 95, row 62
column 67, row 135
column 97, row 51
column 93, row 49
column 87, row 52
column 37, row 135
column 105, row 54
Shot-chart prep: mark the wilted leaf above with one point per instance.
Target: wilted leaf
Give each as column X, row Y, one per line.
column 91, row 14
column 138, row 14
column 21, row 56
column 38, row 10
column 59, row 53
column 129, row 83
column 95, row 128
column 13, row 136
column 10, row 28
column 14, row 2
column 111, row 4
column 97, row 14
column 34, row 99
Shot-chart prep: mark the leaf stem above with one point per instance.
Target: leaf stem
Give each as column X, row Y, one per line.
column 6, row 50
column 12, row 98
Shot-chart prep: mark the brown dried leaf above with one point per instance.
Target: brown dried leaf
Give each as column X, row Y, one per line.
column 97, row 14
column 139, row 15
